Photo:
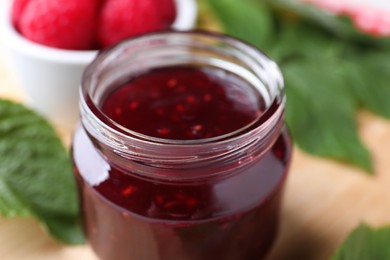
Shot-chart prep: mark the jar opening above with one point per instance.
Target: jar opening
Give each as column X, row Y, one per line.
column 183, row 104
column 259, row 77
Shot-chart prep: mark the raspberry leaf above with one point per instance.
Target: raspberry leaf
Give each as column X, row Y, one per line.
column 244, row 19
column 369, row 77
column 321, row 112
column 35, row 173
column 364, row 243
column 330, row 69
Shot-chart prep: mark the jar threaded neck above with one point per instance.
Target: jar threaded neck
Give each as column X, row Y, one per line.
column 156, row 50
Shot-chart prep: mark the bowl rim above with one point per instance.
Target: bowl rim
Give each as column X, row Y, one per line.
column 185, row 20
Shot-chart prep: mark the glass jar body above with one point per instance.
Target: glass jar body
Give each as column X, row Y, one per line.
column 153, row 198
column 240, row 218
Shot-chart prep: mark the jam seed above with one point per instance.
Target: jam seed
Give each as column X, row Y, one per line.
column 170, row 204
column 128, row 191
column 164, row 131
column 180, row 108
column 159, row 199
column 118, row 111
column 125, row 214
column 195, row 131
column 207, row 98
column 133, row 105
column 191, row 99
column 197, row 128
column 191, row 202
column 172, row 83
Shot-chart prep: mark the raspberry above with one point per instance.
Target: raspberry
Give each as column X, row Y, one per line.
column 17, row 10
column 66, row 24
column 370, row 20
column 168, row 11
column 120, row 19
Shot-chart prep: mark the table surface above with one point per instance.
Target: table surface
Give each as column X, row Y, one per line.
column 324, row 200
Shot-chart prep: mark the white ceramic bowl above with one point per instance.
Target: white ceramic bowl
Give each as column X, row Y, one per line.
column 50, row 77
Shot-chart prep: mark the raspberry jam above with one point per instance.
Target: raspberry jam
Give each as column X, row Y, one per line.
column 178, row 161
column 184, row 103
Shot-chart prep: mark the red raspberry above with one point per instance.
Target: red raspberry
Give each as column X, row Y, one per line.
column 69, row 24
column 17, row 10
column 371, row 20
column 120, row 19
column 168, row 10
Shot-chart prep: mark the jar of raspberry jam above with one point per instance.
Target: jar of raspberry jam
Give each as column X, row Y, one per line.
column 182, row 153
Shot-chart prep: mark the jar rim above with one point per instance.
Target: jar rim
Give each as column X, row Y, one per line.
column 122, row 148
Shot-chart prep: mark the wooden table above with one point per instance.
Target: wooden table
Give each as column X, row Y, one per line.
column 323, row 202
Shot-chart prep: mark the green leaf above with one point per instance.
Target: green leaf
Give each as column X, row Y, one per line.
column 320, row 57
column 35, row 173
column 321, row 112
column 245, row 19
column 299, row 41
column 370, row 80
column 365, row 243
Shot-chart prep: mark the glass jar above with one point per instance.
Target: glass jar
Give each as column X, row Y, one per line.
column 208, row 183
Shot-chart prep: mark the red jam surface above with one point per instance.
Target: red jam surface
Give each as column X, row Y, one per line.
column 232, row 218
column 184, row 103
